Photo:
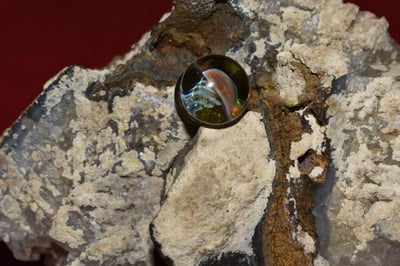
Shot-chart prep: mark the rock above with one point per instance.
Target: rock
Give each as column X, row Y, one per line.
column 72, row 168
column 101, row 154
column 364, row 203
column 219, row 196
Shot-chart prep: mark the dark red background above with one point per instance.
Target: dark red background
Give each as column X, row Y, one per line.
column 39, row 38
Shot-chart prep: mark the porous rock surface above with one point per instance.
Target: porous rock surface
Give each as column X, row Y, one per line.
column 71, row 177
column 363, row 208
column 101, row 154
column 217, row 200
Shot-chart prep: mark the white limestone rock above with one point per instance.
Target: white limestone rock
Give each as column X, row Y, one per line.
column 364, row 122
column 88, row 178
column 219, row 196
column 90, row 174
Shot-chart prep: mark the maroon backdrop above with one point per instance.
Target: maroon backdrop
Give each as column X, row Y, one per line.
column 39, row 38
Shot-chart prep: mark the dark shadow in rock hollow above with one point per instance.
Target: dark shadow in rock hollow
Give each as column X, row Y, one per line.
column 321, row 195
column 232, row 259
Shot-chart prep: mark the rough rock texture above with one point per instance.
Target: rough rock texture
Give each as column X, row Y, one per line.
column 101, row 155
column 217, row 200
column 363, row 208
column 72, row 169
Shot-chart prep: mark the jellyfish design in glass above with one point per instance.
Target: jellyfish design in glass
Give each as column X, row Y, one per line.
column 212, row 92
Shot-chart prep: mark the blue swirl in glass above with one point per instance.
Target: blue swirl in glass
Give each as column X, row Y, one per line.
column 212, row 92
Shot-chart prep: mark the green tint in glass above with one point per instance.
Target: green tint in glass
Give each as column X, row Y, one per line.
column 212, row 92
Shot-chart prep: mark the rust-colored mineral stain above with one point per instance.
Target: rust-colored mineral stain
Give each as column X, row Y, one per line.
column 283, row 218
column 279, row 248
column 311, row 160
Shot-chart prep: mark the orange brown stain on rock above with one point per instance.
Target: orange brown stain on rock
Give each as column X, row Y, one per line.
column 285, row 126
column 277, row 241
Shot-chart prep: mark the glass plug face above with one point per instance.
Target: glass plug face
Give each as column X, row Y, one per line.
column 212, row 92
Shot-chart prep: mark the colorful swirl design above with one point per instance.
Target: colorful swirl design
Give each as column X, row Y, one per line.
column 214, row 89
